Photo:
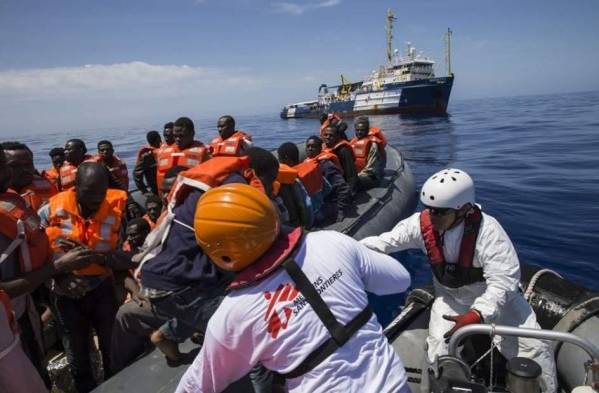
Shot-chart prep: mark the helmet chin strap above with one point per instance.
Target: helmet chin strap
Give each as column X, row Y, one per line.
column 460, row 216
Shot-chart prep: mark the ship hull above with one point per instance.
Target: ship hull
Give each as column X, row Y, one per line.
column 419, row 97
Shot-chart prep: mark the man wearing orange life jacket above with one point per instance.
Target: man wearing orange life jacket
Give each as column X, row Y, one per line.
column 185, row 152
column 144, row 173
column 342, row 149
column 229, row 142
column 333, row 119
column 176, row 277
column 24, row 265
column 114, row 164
column 369, row 150
column 57, row 158
column 338, row 201
column 169, row 139
column 89, row 215
column 75, row 153
column 35, row 189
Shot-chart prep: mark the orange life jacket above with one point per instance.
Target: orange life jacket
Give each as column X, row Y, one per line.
column 52, row 175
column 212, row 173
column 99, row 232
column 377, row 132
column 335, row 116
column 38, row 192
column 310, row 175
column 171, row 156
column 229, row 147
column 361, row 147
column 449, row 274
column 6, row 307
column 68, row 172
column 118, row 168
column 21, row 225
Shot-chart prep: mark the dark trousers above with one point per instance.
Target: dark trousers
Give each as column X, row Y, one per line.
column 96, row 309
column 134, row 323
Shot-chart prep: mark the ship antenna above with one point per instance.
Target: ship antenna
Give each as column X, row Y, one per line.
column 448, row 51
column 389, row 29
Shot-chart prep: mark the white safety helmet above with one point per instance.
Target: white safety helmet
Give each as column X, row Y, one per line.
column 450, row 188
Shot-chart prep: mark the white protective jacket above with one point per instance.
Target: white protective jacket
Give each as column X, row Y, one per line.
column 498, row 298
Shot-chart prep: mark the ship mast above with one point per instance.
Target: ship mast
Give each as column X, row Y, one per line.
column 448, row 51
column 389, row 29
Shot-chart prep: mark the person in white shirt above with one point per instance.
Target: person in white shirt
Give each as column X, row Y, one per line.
column 298, row 305
column 476, row 271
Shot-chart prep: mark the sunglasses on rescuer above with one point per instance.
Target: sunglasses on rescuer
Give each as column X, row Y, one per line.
column 438, row 211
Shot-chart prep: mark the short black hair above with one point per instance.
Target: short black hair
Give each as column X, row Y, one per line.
column 15, row 146
column 170, row 124
column 186, row 123
column 174, row 171
column 153, row 198
column 105, row 142
column 288, row 151
column 323, row 117
column 57, row 151
column 153, row 136
column 79, row 142
column 229, row 119
column 314, row 138
column 140, row 222
column 262, row 161
column 362, row 119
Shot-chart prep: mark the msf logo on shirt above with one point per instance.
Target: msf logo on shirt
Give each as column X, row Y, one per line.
column 277, row 317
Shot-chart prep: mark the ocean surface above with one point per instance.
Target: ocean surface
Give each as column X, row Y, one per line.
column 534, row 160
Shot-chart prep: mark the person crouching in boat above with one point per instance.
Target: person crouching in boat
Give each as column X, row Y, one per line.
column 476, row 272
column 306, row 320
column 335, row 144
column 369, row 151
column 230, row 142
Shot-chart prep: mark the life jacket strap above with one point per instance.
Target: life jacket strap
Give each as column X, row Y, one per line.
column 340, row 334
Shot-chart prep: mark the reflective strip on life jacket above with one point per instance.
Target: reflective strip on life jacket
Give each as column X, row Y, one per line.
column 21, row 225
column 231, row 146
column 171, row 157
column 449, row 274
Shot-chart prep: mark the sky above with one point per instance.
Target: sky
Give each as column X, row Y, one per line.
column 90, row 64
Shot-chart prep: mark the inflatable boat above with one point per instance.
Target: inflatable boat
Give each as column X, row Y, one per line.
column 377, row 210
column 568, row 315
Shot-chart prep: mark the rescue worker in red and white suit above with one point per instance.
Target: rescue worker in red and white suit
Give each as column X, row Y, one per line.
column 307, row 320
column 476, row 271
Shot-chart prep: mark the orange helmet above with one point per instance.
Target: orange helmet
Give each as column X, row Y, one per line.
column 235, row 224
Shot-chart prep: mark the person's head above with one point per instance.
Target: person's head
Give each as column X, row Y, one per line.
column 448, row 195
column 225, row 126
column 169, row 178
column 133, row 208
column 74, row 151
column 5, row 172
column 167, row 132
column 235, row 224
column 91, row 184
column 362, row 126
column 105, row 150
column 153, row 206
column 20, row 159
column 265, row 166
column 136, row 232
column 153, row 138
column 183, row 132
column 331, row 136
column 313, row 146
column 323, row 117
column 57, row 156
column 288, row 154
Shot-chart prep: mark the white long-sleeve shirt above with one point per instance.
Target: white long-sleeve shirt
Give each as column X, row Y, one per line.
column 271, row 323
column 494, row 253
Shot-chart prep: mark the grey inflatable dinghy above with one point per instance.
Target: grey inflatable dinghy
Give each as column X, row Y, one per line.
column 377, row 210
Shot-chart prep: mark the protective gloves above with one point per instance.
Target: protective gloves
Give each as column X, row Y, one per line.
column 469, row 318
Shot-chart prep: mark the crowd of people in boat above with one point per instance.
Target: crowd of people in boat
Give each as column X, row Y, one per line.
column 219, row 254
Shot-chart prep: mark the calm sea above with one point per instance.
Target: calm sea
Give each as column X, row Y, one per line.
column 534, row 160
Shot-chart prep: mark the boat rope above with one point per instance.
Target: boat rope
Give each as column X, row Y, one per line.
column 533, row 282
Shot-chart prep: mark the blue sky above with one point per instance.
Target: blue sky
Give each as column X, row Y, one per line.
column 86, row 64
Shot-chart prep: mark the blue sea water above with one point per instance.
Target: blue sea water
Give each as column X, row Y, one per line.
column 534, row 160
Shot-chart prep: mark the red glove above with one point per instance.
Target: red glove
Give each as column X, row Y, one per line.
column 471, row 317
